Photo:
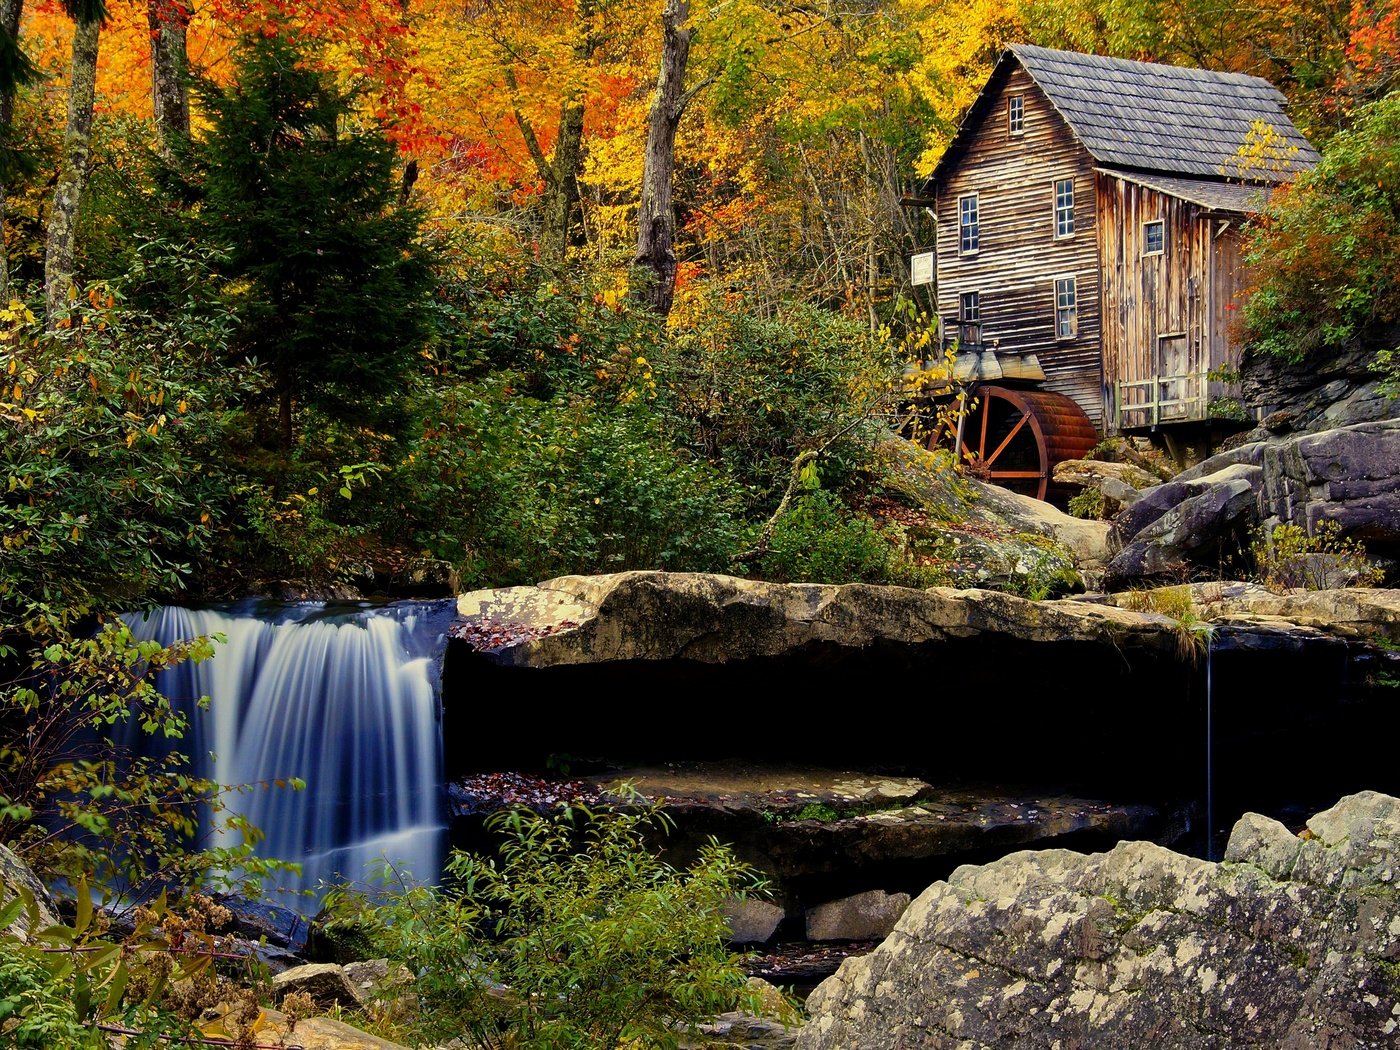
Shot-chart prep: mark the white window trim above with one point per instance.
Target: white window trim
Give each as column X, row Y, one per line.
column 976, row 293
column 1011, row 130
column 978, row 205
column 1055, row 301
column 1160, row 251
column 1055, row 209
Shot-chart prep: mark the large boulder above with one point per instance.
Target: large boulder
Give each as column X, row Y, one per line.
column 1291, row 942
column 1203, row 528
column 1349, row 475
column 652, row 616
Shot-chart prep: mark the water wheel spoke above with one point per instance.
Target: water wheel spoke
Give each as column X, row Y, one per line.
column 1020, row 437
column 1025, row 416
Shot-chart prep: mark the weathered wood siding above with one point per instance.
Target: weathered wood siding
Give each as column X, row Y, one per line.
column 1168, row 314
column 1020, row 257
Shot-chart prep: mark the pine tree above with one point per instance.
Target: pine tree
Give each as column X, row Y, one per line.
column 324, row 269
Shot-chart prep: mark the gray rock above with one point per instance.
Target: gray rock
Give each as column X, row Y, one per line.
column 328, row 984
column 1291, row 942
column 1196, row 530
column 739, row 1029
column 1349, row 475
column 752, row 921
column 15, row 874
column 863, row 917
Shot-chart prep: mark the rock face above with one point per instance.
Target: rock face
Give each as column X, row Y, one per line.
column 1350, row 475
column 1088, row 697
column 863, row 917
column 1290, row 943
column 14, row 875
column 1317, row 394
column 328, row 984
column 717, row 619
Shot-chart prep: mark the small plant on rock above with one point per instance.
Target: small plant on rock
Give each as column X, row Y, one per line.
column 1288, row 557
column 1088, row 504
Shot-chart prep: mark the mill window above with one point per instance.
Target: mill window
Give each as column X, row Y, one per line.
column 970, row 318
column 1064, row 208
column 969, row 230
column 1154, row 237
column 1066, row 308
column 1016, row 114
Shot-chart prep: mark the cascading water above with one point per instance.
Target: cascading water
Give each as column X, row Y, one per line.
column 343, row 700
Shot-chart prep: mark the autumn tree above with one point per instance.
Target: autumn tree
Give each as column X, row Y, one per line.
column 16, row 70
column 1327, row 248
column 656, row 221
column 88, row 16
column 323, row 268
column 169, row 22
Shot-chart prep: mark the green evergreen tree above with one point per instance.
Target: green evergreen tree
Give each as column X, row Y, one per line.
column 324, row 269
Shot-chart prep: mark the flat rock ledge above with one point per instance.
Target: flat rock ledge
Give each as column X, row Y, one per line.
column 657, row 616
column 715, row 619
column 1292, row 942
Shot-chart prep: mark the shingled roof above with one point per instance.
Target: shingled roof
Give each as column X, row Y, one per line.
column 1144, row 116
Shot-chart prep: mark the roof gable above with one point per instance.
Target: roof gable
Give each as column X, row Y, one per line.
column 1145, row 116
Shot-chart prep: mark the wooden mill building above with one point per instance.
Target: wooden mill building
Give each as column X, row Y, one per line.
column 1088, row 215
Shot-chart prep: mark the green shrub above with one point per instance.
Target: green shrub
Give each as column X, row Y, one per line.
column 109, row 444
column 1288, row 557
column 575, row 935
column 1088, row 504
column 751, row 392
column 513, row 489
column 820, row 540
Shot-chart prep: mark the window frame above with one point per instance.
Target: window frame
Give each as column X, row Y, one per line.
column 1015, row 115
column 1145, row 241
column 1067, row 210
column 1072, row 280
column 974, row 299
column 970, row 320
column 975, row 225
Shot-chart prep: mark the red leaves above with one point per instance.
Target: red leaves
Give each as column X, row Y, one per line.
column 490, row 792
column 495, row 635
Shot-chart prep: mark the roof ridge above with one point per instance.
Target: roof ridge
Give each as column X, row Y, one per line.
column 1140, row 66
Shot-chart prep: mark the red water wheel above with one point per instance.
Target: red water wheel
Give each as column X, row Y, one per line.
column 1014, row 438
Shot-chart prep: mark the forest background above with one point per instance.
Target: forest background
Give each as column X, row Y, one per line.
column 301, row 296
column 308, row 291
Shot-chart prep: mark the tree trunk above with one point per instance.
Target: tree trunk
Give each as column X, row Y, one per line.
column 72, row 176
column 561, row 194
column 169, row 21
column 656, row 221
column 10, row 12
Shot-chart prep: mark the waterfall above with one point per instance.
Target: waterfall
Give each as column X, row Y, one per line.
column 343, row 700
column 1210, row 748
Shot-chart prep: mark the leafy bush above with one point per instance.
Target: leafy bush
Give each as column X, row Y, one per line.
column 79, row 988
column 513, row 489
column 1327, row 248
column 752, row 392
column 1087, row 504
column 109, row 437
column 576, row 935
column 820, row 540
column 1288, row 557
column 91, row 787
